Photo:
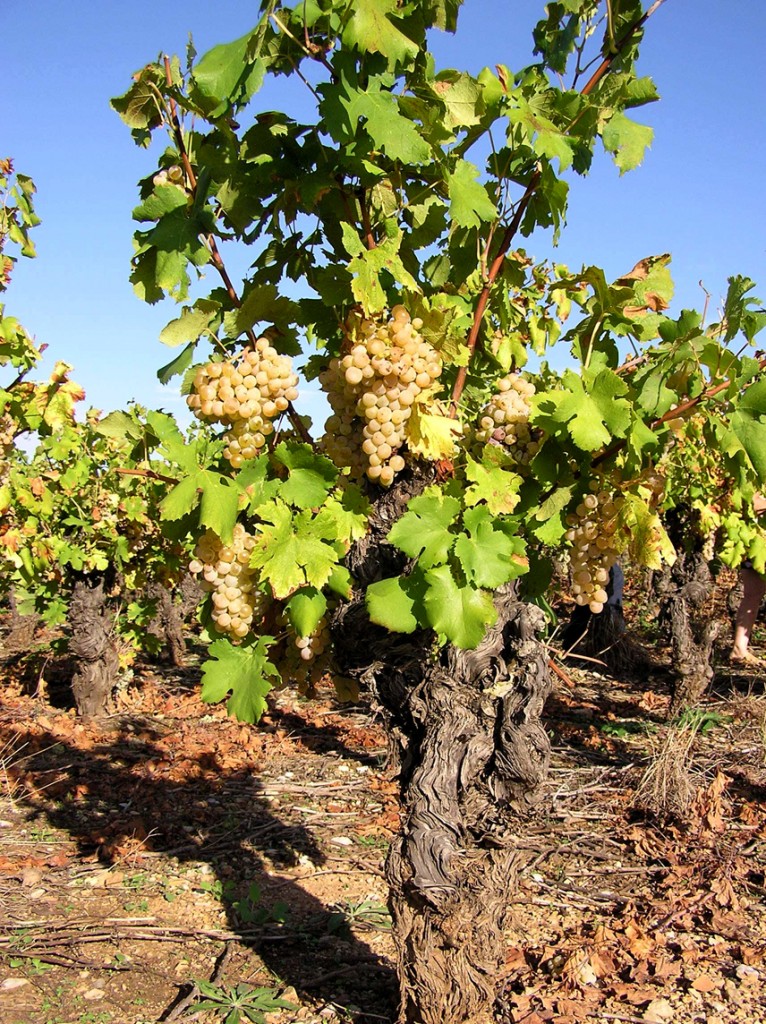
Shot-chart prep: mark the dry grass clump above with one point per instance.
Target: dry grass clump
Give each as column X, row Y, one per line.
column 9, row 755
column 668, row 786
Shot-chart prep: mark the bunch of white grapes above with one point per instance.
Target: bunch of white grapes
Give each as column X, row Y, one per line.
column 596, row 545
column 172, row 176
column 310, row 647
column 389, row 368
column 340, row 440
column 245, row 394
column 306, row 658
column 505, row 420
column 226, row 573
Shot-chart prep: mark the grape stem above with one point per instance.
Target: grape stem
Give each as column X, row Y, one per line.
column 521, row 209
column 148, row 474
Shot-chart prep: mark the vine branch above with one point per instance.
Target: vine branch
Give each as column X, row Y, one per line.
column 672, row 414
column 175, row 122
column 147, row 474
column 521, row 209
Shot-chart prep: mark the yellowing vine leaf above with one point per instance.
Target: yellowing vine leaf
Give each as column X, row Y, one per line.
column 434, row 436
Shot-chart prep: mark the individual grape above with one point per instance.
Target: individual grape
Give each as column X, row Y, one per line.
column 236, row 601
column 505, row 420
column 246, row 395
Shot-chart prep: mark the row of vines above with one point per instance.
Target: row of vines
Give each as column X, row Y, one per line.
column 408, row 545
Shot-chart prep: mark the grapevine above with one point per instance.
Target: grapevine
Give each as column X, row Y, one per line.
column 717, row 510
column 435, row 530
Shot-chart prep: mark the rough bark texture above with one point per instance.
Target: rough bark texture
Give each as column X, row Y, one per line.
column 18, row 636
column 191, row 594
column 92, row 646
column 686, row 612
column 465, row 732
column 169, row 625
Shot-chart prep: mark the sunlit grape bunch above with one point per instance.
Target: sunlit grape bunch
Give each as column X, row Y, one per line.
column 246, row 394
column 340, row 440
column 171, row 176
column 306, row 658
column 310, row 647
column 387, row 370
column 225, row 572
column 596, row 545
column 505, row 420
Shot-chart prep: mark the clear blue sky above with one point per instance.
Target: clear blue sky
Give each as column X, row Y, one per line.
column 699, row 195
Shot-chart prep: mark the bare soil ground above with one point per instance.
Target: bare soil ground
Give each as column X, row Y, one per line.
column 169, row 856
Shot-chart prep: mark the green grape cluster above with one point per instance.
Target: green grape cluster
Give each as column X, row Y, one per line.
column 596, row 545
column 388, row 369
column 246, row 394
column 226, row 574
column 306, row 658
column 505, row 420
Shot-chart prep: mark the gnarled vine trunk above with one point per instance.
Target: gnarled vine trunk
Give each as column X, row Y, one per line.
column 169, row 625
column 465, row 730
column 19, row 631
column 686, row 611
column 93, row 648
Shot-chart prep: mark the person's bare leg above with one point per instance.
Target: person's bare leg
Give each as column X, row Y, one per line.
column 754, row 589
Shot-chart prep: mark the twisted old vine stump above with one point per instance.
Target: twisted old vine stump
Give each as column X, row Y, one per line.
column 687, row 612
column 93, row 648
column 464, row 729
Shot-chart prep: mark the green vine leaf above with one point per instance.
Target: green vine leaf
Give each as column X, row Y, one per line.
column 292, row 551
column 484, row 552
column 305, row 610
column 627, row 141
column 425, row 530
column 367, row 267
column 370, row 30
column 462, row 614
column 193, row 322
column 311, row 477
column 391, row 133
column 229, row 75
column 749, row 424
column 470, row 205
column 245, row 672
column 396, row 603
column 217, row 497
column 494, row 481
